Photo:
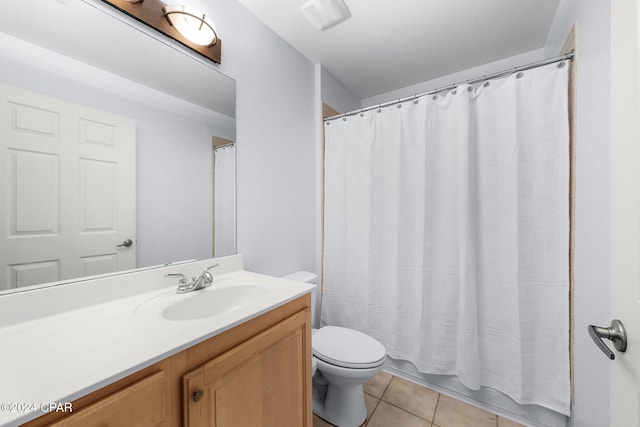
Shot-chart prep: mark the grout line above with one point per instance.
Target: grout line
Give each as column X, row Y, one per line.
column 407, row 411
column 386, row 387
column 410, row 413
column 378, row 399
column 435, row 410
column 404, row 410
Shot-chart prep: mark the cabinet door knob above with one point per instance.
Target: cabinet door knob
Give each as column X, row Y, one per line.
column 197, row 395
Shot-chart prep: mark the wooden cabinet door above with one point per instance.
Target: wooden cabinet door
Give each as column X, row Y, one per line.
column 264, row 382
column 141, row 404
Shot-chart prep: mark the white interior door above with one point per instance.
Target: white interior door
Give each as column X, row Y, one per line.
column 67, row 189
column 625, row 261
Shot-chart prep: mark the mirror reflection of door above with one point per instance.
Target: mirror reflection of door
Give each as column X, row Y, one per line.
column 224, row 197
column 67, row 189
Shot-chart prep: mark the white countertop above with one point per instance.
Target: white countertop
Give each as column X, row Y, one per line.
column 68, row 354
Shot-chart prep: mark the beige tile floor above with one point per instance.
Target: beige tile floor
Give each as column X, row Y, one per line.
column 395, row 402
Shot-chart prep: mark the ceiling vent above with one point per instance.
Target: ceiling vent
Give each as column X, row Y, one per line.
column 325, row 14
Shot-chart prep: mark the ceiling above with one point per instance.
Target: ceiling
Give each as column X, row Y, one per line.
column 389, row 45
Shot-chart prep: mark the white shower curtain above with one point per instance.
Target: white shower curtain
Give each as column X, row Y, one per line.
column 447, row 233
column 225, row 201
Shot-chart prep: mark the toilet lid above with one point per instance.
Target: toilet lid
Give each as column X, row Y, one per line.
column 347, row 348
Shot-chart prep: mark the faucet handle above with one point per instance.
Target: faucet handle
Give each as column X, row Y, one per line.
column 211, row 266
column 206, row 276
column 182, row 280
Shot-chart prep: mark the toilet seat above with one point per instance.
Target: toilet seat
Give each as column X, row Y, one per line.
column 347, row 348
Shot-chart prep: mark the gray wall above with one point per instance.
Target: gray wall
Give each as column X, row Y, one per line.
column 444, row 81
column 593, row 193
column 276, row 135
column 336, row 94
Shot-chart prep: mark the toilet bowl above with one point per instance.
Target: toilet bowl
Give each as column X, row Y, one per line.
column 345, row 360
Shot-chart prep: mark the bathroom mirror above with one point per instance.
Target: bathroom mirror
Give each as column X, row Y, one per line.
column 85, row 52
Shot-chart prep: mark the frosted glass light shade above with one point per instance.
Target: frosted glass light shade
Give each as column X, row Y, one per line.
column 193, row 25
column 324, row 14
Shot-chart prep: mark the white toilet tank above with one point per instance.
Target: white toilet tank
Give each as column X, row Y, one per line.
column 302, row 276
column 311, row 278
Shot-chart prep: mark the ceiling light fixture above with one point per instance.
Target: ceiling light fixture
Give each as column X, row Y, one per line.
column 193, row 30
column 324, row 14
column 195, row 26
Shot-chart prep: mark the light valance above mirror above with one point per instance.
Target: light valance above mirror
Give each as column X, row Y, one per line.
column 186, row 26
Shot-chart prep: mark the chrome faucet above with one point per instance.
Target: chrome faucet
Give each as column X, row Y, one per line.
column 204, row 280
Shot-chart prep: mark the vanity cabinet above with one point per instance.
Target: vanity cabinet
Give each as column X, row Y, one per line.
column 256, row 374
column 259, row 383
column 141, row 399
column 142, row 403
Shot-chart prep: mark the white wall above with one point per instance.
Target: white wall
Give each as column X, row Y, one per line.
column 462, row 76
column 173, row 152
column 276, row 142
column 593, row 173
column 336, row 94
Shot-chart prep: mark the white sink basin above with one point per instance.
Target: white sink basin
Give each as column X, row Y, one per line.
column 204, row 303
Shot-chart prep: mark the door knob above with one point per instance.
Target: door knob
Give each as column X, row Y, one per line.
column 197, row 395
column 615, row 332
column 126, row 243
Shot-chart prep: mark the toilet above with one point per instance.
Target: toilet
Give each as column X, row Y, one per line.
column 343, row 360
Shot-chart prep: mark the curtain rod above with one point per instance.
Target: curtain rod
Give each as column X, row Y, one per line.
column 568, row 56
